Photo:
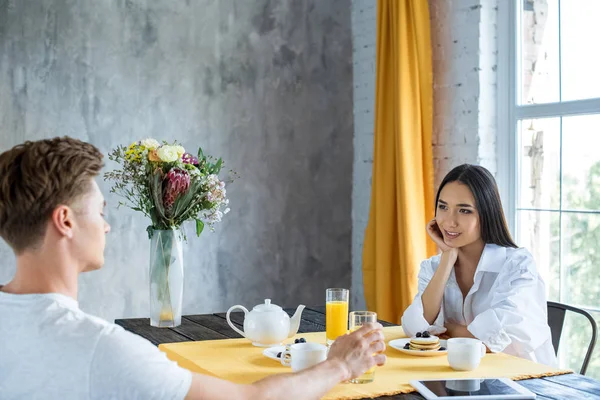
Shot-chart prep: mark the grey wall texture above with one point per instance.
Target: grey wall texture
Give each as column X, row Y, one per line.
column 267, row 85
column 364, row 36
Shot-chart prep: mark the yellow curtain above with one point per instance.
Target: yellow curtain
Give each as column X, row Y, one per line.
column 402, row 186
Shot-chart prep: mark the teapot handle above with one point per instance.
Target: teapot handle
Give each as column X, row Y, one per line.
column 231, row 323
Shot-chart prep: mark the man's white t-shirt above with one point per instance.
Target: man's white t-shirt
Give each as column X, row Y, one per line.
column 50, row 349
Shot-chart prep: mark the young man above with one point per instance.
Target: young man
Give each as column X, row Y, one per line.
column 51, row 216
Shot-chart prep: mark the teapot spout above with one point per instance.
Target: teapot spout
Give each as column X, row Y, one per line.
column 295, row 321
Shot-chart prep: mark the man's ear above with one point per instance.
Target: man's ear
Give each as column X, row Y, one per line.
column 62, row 219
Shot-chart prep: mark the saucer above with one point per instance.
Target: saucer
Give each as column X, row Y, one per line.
column 271, row 352
column 398, row 344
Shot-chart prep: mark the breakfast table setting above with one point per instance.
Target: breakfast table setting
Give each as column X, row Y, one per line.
column 244, row 346
column 171, row 186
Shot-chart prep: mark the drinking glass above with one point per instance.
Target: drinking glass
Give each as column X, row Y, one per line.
column 358, row 319
column 336, row 313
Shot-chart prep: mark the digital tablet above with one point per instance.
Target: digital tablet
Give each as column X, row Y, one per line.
column 471, row 389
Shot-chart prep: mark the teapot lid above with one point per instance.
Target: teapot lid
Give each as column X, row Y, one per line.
column 267, row 307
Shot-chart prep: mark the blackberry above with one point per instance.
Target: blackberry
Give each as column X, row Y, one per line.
column 426, row 335
column 418, row 334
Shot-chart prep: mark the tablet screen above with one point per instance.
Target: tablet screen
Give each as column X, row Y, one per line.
column 468, row 387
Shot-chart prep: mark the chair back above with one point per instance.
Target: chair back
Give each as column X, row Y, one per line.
column 556, row 321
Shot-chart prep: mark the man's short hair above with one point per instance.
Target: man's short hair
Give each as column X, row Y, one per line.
column 35, row 178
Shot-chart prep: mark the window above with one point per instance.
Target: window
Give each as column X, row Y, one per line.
column 549, row 162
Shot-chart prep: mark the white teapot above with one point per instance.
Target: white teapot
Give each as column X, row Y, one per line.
column 267, row 324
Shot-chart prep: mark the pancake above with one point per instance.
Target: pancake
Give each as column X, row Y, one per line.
column 431, row 343
column 425, row 341
column 428, row 347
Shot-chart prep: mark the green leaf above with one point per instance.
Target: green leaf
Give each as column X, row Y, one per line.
column 199, row 227
column 200, row 154
column 218, row 166
column 156, row 191
column 183, row 201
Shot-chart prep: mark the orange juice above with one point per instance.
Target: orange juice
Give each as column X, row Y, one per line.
column 357, row 319
column 336, row 319
column 367, row 376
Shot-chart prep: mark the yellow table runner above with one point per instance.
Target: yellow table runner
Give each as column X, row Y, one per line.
column 238, row 361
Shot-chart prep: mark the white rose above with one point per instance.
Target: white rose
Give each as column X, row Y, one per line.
column 180, row 150
column 167, row 153
column 150, row 143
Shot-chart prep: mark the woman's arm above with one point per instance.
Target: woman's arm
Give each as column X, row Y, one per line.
column 426, row 307
column 457, row 331
column 434, row 292
column 517, row 311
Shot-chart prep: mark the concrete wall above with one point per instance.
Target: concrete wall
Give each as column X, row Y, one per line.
column 364, row 35
column 464, row 46
column 267, row 85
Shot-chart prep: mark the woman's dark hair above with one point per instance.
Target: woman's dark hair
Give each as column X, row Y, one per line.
column 487, row 201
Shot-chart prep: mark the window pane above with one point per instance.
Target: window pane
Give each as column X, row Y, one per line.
column 539, row 172
column 581, row 162
column 580, row 64
column 581, row 259
column 539, row 58
column 581, row 279
column 538, row 231
column 574, row 342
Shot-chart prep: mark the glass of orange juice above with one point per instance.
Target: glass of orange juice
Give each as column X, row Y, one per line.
column 356, row 320
column 336, row 313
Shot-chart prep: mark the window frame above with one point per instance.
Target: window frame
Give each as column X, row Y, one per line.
column 509, row 113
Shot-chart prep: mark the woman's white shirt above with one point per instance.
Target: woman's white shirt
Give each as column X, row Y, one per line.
column 506, row 307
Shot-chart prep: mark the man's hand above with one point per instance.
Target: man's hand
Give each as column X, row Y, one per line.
column 360, row 350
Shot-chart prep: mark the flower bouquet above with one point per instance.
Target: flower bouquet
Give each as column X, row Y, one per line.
column 169, row 186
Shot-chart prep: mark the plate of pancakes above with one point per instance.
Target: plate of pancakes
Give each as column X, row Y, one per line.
column 422, row 344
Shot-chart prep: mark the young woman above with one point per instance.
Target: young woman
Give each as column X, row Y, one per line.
column 481, row 285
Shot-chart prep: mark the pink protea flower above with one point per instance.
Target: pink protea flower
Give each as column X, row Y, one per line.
column 187, row 158
column 177, row 183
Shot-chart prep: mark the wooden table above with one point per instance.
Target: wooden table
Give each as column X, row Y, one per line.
column 214, row 326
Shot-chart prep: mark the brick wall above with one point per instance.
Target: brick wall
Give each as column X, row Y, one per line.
column 463, row 39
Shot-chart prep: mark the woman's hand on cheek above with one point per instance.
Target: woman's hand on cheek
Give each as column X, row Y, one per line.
column 449, row 254
column 436, row 235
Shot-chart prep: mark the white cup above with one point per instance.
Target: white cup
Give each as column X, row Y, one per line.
column 304, row 355
column 464, row 354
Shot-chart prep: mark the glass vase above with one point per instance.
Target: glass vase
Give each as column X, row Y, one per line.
column 166, row 278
